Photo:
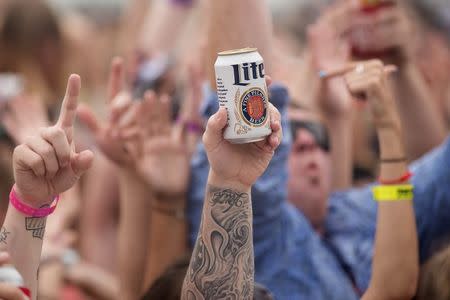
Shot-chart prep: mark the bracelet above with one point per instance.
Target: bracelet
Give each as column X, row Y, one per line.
column 174, row 213
column 191, row 126
column 194, row 127
column 27, row 210
column 402, row 179
column 393, row 160
column 393, row 192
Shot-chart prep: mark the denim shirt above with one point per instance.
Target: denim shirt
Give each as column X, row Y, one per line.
column 290, row 258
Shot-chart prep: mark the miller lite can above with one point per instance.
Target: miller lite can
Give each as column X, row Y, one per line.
column 10, row 275
column 242, row 90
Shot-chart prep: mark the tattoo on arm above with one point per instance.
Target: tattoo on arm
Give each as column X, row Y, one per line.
column 4, row 235
column 36, row 226
column 222, row 262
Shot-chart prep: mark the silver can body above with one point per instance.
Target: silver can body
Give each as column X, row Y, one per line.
column 242, row 90
column 9, row 274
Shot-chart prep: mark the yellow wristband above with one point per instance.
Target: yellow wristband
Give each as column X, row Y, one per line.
column 393, row 192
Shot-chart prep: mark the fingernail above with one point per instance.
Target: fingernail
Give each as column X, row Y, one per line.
column 122, row 100
column 277, row 141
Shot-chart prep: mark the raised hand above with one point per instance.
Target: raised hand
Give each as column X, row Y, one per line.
column 167, row 146
column 47, row 165
column 330, row 49
column 239, row 165
column 118, row 102
column 141, row 137
column 370, row 78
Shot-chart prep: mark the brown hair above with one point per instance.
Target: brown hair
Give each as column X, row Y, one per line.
column 434, row 282
column 31, row 43
column 168, row 285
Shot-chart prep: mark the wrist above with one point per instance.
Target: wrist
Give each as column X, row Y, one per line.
column 129, row 176
column 336, row 122
column 391, row 144
column 215, row 179
column 33, row 200
column 170, row 202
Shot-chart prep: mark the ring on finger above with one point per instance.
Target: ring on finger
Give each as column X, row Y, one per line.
column 360, row 68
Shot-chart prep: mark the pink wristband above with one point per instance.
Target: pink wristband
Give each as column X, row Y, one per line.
column 28, row 210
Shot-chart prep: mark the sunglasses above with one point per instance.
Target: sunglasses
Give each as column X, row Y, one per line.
column 316, row 129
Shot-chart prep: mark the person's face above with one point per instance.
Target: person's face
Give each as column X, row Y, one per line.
column 309, row 182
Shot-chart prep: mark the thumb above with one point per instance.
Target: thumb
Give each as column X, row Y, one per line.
column 81, row 162
column 88, row 118
column 5, row 258
column 214, row 129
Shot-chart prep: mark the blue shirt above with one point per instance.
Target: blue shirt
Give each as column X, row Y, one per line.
column 290, row 258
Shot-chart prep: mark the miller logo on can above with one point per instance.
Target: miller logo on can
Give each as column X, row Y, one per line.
column 241, row 88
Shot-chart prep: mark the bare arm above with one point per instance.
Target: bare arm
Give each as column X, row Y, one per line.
column 423, row 125
column 168, row 233
column 98, row 221
column 133, row 18
column 395, row 263
column 44, row 166
column 237, row 24
column 164, row 24
column 24, row 244
column 222, row 260
column 135, row 199
column 329, row 50
column 134, row 231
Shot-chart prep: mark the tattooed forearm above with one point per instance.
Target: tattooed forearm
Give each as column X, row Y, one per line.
column 4, row 235
column 36, row 226
column 222, row 263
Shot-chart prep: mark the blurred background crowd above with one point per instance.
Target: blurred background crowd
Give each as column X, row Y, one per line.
column 111, row 239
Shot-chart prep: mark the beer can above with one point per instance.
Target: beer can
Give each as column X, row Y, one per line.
column 10, row 275
column 242, row 90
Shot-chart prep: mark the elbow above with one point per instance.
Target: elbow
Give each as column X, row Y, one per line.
column 399, row 286
column 408, row 290
column 404, row 287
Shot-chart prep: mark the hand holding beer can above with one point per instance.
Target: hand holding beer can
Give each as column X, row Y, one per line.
column 242, row 90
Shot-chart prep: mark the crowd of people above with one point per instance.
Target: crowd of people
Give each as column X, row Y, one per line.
column 125, row 188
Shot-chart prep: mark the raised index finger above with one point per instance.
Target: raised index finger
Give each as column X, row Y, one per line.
column 69, row 106
column 116, row 80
